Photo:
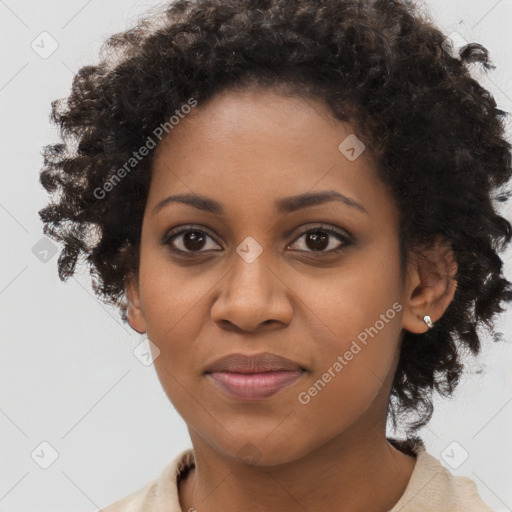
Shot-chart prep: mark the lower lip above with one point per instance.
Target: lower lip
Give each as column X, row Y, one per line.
column 254, row 386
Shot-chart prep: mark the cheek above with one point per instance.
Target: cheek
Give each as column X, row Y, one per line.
column 354, row 323
column 353, row 357
column 175, row 310
column 174, row 318
column 172, row 298
column 351, row 378
column 357, row 301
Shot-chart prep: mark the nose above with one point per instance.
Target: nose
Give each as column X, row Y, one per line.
column 252, row 296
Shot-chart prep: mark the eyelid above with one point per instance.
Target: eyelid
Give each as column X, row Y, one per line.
column 312, row 226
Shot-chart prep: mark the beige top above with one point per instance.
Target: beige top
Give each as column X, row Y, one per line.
column 431, row 488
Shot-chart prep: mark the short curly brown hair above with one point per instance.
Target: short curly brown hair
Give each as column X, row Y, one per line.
column 436, row 134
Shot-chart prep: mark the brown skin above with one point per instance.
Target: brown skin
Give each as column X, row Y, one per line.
column 246, row 150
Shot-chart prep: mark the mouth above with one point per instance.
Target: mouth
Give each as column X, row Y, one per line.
column 254, row 377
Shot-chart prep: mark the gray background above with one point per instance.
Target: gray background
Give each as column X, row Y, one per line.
column 68, row 374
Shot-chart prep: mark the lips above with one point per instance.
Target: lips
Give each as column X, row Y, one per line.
column 253, row 377
column 257, row 363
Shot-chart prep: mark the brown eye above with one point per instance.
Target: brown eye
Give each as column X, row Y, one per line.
column 189, row 240
column 317, row 240
column 194, row 240
column 322, row 240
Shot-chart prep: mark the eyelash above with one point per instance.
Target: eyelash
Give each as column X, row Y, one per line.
column 175, row 233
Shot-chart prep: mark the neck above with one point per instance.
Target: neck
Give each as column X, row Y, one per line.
column 358, row 472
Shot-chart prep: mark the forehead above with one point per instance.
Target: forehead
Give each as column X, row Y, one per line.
column 253, row 146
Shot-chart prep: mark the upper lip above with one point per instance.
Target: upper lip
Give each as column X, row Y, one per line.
column 256, row 363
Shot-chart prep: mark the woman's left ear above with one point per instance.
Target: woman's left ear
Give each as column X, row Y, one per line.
column 134, row 313
column 430, row 285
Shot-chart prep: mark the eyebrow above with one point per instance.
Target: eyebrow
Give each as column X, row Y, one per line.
column 283, row 205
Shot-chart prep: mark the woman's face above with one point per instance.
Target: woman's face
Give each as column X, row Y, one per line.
column 257, row 272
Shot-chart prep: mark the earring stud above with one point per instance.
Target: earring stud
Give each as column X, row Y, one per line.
column 428, row 321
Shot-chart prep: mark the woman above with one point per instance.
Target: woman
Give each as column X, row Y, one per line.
column 294, row 201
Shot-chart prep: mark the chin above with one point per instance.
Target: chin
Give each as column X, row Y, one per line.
column 264, row 451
